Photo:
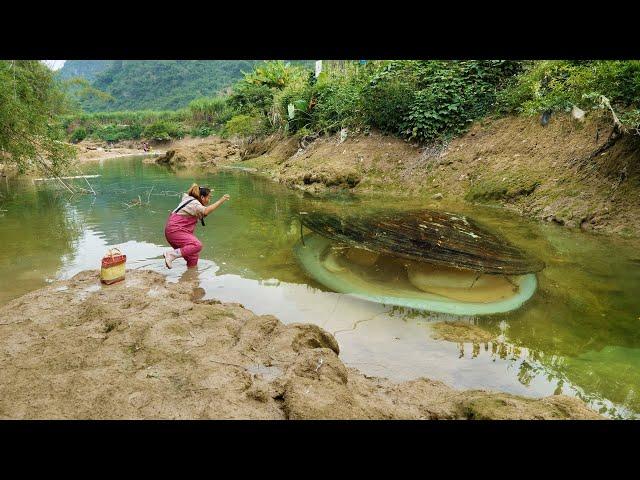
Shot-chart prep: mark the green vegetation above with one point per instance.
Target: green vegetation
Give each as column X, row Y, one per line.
column 431, row 101
column 242, row 125
column 558, row 85
column 163, row 130
column 210, row 110
column 30, row 103
column 161, row 84
column 151, row 125
column 86, row 69
column 512, row 186
column 422, row 100
column 154, row 84
column 425, row 101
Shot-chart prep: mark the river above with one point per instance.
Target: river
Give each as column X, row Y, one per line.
column 578, row 335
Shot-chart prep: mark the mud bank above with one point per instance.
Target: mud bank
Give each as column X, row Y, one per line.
column 89, row 151
column 209, row 151
column 186, row 151
column 145, row 348
column 565, row 172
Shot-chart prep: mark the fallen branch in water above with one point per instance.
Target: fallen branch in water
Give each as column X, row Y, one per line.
column 64, row 178
column 134, row 203
column 46, row 168
column 85, row 179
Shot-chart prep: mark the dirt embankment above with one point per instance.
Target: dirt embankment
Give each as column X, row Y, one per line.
column 187, row 151
column 90, row 150
column 144, row 348
column 209, row 151
column 564, row 172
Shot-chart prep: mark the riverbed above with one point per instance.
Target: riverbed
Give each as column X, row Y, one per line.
column 579, row 334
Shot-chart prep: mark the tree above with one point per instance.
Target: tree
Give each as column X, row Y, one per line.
column 30, row 101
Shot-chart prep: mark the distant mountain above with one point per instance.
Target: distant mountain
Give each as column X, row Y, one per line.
column 155, row 84
column 87, row 69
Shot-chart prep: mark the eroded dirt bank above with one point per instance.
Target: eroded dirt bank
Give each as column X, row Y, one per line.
column 144, row 348
column 564, row 172
column 187, row 151
column 90, row 150
column 209, row 151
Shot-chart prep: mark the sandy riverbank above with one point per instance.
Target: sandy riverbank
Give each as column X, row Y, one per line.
column 186, row 151
column 145, row 348
column 90, row 151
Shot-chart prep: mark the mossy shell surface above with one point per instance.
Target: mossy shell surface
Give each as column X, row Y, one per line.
column 426, row 236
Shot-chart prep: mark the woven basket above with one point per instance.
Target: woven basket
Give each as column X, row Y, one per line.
column 113, row 267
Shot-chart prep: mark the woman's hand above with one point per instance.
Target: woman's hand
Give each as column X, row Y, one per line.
column 211, row 208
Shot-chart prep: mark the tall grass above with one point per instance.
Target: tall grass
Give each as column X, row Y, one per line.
column 202, row 117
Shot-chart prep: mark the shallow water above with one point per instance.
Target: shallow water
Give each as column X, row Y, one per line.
column 579, row 334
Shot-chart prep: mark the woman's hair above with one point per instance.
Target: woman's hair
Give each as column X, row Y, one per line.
column 198, row 192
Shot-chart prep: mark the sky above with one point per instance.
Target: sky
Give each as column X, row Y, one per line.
column 54, row 64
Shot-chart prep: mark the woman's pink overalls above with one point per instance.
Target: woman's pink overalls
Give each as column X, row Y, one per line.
column 179, row 233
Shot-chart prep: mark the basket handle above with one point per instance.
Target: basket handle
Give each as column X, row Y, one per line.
column 111, row 253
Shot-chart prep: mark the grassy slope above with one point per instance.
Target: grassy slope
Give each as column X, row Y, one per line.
column 514, row 161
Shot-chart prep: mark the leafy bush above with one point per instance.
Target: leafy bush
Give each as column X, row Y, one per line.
column 254, row 94
column 559, row 84
column 631, row 119
column 429, row 100
column 422, row 100
column 78, row 135
column 387, row 104
column 209, row 110
column 248, row 98
column 292, row 106
column 339, row 102
column 244, row 126
column 116, row 133
column 164, row 130
column 201, row 131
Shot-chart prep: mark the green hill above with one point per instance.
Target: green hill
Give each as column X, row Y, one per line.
column 155, row 84
column 87, row 69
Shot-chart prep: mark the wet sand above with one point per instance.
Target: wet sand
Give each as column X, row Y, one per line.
column 145, row 348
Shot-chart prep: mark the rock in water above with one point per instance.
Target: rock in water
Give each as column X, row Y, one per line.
column 426, row 236
column 166, row 158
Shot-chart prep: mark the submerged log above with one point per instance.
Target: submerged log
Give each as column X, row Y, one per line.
column 64, row 178
column 426, row 236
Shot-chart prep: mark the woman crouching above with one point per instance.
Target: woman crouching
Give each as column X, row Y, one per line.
column 182, row 221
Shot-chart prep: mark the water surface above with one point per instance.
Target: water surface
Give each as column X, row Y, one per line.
column 578, row 335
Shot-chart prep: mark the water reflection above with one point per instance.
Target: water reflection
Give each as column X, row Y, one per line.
column 37, row 232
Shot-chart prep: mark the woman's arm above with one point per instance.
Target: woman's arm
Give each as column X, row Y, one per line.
column 213, row 206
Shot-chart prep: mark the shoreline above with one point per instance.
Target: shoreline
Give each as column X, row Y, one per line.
column 101, row 153
column 556, row 174
column 510, row 163
column 146, row 348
